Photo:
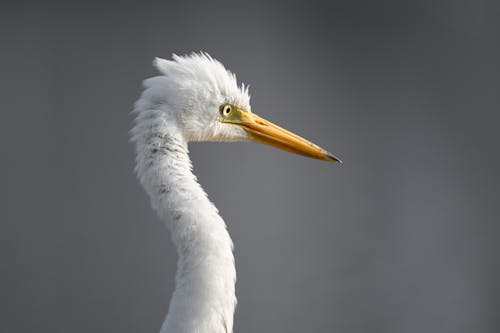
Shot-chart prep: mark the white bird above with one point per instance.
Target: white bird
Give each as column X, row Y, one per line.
column 196, row 99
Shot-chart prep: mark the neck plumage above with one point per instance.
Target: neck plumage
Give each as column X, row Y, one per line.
column 204, row 296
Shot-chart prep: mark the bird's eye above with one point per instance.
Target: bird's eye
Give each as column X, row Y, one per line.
column 226, row 110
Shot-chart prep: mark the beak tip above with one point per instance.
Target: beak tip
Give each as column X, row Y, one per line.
column 333, row 158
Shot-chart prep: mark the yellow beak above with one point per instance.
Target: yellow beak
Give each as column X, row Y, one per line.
column 264, row 131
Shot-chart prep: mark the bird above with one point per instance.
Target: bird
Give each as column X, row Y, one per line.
column 195, row 98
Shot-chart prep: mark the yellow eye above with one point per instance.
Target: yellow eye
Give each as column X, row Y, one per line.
column 225, row 110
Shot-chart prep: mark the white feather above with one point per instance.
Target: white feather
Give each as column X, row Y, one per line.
column 179, row 106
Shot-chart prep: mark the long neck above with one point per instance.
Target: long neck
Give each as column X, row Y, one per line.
column 204, row 296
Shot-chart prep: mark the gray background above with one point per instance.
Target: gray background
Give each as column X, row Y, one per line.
column 400, row 238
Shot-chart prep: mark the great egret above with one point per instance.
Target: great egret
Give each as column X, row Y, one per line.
column 197, row 99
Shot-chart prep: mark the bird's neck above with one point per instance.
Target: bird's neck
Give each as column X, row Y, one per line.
column 204, row 296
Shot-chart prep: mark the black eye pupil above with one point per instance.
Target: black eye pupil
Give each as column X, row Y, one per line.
column 227, row 110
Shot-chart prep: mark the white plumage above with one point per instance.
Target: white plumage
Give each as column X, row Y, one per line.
column 197, row 99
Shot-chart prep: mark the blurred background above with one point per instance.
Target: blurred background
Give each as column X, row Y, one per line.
column 402, row 237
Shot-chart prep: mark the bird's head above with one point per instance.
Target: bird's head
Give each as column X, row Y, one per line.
column 205, row 101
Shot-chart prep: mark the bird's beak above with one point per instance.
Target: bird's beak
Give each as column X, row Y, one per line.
column 264, row 131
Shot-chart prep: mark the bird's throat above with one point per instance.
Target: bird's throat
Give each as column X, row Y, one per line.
column 204, row 296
